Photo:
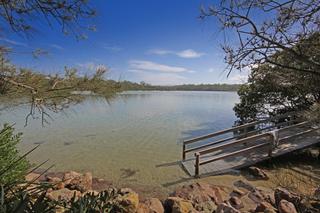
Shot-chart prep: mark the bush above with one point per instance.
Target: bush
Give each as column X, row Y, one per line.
column 12, row 166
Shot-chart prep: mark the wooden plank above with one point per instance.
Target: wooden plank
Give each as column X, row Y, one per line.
column 244, row 160
column 236, row 128
column 233, row 137
column 244, row 140
column 235, row 153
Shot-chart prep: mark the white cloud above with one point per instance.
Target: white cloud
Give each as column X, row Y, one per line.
column 188, row 53
column 111, row 47
column 16, row 43
column 91, row 67
column 56, row 46
column 162, row 78
column 211, row 70
column 152, row 66
column 238, row 78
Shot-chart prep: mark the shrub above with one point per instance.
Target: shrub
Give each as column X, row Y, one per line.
column 12, row 166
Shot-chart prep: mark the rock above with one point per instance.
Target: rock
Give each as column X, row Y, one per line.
column 54, row 179
column 204, row 197
column 152, row 205
column 95, row 193
column 57, row 182
column 257, row 196
column 32, row 177
column 284, row 194
column 237, row 192
column 224, row 208
column 244, row 185
column 286, row 207
column 316, row 193
column 63, row 194
column 179, row 205
column 69, row 176
column 265, row 207
column 128, row 199
column 143, row 208
column 236, row 202
column 77, row 181
column 258, row 173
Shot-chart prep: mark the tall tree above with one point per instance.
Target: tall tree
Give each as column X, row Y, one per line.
column 265, row 27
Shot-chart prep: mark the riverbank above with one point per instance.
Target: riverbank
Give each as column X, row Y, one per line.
column 200, row 196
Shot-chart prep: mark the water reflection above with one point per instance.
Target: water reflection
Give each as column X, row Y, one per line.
column 130, row 138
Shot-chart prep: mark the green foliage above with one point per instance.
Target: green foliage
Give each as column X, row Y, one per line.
column 22, row 199
column 127, row 85
column 273, row 89
column 105, row 201
column 9, row 154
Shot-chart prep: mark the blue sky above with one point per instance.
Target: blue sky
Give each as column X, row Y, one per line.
column 160, row 42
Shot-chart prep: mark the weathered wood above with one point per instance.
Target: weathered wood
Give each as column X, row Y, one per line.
column 183, row 152
column 228, row 153
column 298, row 134
column 234, row 137
column 251, row 157
column 237, row 128
column 234, row 153
column 240, row 141
column 197, row 164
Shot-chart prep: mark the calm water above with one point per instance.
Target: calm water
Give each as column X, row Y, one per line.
column 130, row 140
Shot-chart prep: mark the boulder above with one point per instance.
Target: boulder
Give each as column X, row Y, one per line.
column 316, row 193
column 56, row 182
column 143, row 208
column 63, row 194
column 179, row 205
column 237, row 192
column 286, row 207
column 244, row 185
column 154, row 205
column 77, row 181
column 284, row 194
column 236, row 202
column 128, row 199
column 71, row 175
column 151, row 205
column 32, row 177
column 203, row 196
column 258, row 173
column 265, row 207
column 225, row 208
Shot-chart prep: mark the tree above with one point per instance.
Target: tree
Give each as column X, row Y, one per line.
column 273, row 89
column 12, row 166
column 20, row 15
column 49, row 92
column 263, row 28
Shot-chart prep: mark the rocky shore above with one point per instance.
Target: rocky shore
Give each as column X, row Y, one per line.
column 241, row 196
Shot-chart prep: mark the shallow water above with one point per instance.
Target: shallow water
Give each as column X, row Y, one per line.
column 132, row 139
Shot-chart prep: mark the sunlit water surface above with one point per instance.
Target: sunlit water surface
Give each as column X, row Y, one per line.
column 131, row 140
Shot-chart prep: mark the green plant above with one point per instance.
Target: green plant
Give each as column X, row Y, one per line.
column 12, row 167
column 105, row 201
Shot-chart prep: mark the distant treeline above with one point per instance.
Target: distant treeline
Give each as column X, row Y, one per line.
column 127, row 85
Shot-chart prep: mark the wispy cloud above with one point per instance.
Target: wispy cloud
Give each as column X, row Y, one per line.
column 238, row 78
column 16, row 43
column 188, row 53
column 90, row 67
column 56, row 46
column 111, row 47
column 152, row 66
column 211, row 70
column 162, row 78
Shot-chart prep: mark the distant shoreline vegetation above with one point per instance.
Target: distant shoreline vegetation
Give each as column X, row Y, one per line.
column 127, row 86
